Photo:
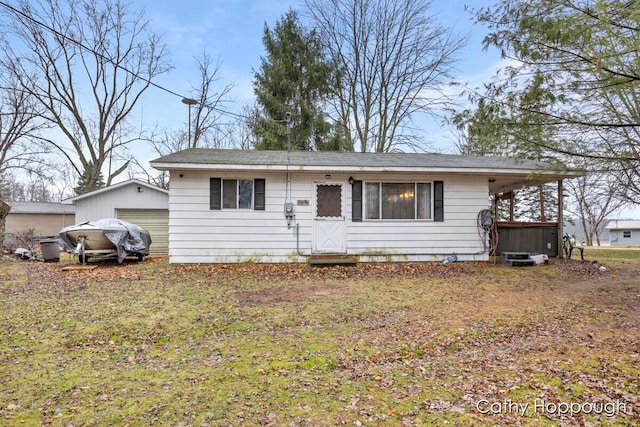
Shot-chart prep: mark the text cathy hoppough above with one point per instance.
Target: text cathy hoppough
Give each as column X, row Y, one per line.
column 539, row 406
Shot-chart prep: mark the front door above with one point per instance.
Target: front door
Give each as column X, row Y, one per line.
column 329, row 224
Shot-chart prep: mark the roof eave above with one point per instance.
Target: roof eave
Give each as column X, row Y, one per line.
column 346, row 169
column 112, row 187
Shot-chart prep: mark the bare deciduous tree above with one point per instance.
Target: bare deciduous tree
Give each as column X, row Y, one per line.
column 33, row 188
column 205, row 130
column 597, row 196
column 239, row 133
column 162, row 142
column 206, row 119
column 87, row 62
column 20, row 124
column 393, row 60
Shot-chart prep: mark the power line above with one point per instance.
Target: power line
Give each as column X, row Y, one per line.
column 123, row 68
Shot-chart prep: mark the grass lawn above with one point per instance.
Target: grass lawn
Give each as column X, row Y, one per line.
column 293, row 345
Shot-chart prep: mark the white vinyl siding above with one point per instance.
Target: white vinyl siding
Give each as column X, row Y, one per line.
column 464, row 197
column 201, row 235
column 105, row 204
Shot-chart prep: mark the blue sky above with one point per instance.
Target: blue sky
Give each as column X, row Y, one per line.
column 232, row 30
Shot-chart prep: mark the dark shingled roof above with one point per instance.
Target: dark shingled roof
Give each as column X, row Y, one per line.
column 205, row 156
column 503, row 173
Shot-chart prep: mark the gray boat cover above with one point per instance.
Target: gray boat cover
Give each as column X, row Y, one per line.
column 128, row 238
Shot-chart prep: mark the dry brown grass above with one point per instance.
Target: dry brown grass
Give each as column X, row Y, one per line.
column 378, row 344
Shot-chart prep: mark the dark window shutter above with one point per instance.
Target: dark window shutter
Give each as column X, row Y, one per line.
column 438, row 201
column 259, row 194
column 215, row 194
column 356, row 201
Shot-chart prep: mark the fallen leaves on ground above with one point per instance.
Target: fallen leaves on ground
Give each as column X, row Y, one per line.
column 291, row 344
column 50, row 275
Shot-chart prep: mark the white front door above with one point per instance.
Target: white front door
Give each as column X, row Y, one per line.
column 329, row 223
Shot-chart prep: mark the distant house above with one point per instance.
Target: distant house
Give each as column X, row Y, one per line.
column 624, row 232
column 133, row 201
column 46, row 219
column 275, row 206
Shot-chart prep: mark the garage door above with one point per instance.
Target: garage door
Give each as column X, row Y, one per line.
column 155, row 221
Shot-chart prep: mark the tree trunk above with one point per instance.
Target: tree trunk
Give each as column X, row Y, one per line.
column 4, row 211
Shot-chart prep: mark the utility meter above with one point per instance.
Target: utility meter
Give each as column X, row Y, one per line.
column 288, row 210
column 288, row 213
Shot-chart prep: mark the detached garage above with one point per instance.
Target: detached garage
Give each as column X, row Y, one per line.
column 45, row 219
column 133, row 201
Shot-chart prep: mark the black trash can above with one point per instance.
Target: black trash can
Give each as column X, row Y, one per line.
column 50, row 250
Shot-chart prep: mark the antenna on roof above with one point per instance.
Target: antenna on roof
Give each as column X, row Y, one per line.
column 287, row 120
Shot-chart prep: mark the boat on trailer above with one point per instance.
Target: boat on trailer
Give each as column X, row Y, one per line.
column 107, row 237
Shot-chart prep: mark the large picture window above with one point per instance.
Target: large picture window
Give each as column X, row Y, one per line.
column 396, row 200
column 237, row 194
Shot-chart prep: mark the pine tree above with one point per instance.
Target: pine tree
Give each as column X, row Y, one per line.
column 294, row 79
column 86, row 178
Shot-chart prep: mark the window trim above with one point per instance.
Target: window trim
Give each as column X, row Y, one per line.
column 626, row 234
column 432, row 205
column 216, row 194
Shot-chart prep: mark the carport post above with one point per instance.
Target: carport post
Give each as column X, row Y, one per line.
column 560, row 218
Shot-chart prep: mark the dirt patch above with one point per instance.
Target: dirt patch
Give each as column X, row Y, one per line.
column 285, row 294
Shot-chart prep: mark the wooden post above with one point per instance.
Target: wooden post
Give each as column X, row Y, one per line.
column 560, row 218
column 511, row 206
column 494, row 247
column 543, row 217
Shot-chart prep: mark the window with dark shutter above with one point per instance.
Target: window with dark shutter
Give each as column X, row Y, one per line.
column 356, row 201
column 438, row 201
column 236, row 194
column 215, row 194
column 259, row 197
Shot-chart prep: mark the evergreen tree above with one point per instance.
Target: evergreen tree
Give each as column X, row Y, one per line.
column 87, row 182
column 569, row 90
column 292, row 87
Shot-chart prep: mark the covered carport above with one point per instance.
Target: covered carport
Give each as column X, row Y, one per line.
column 542, row 237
